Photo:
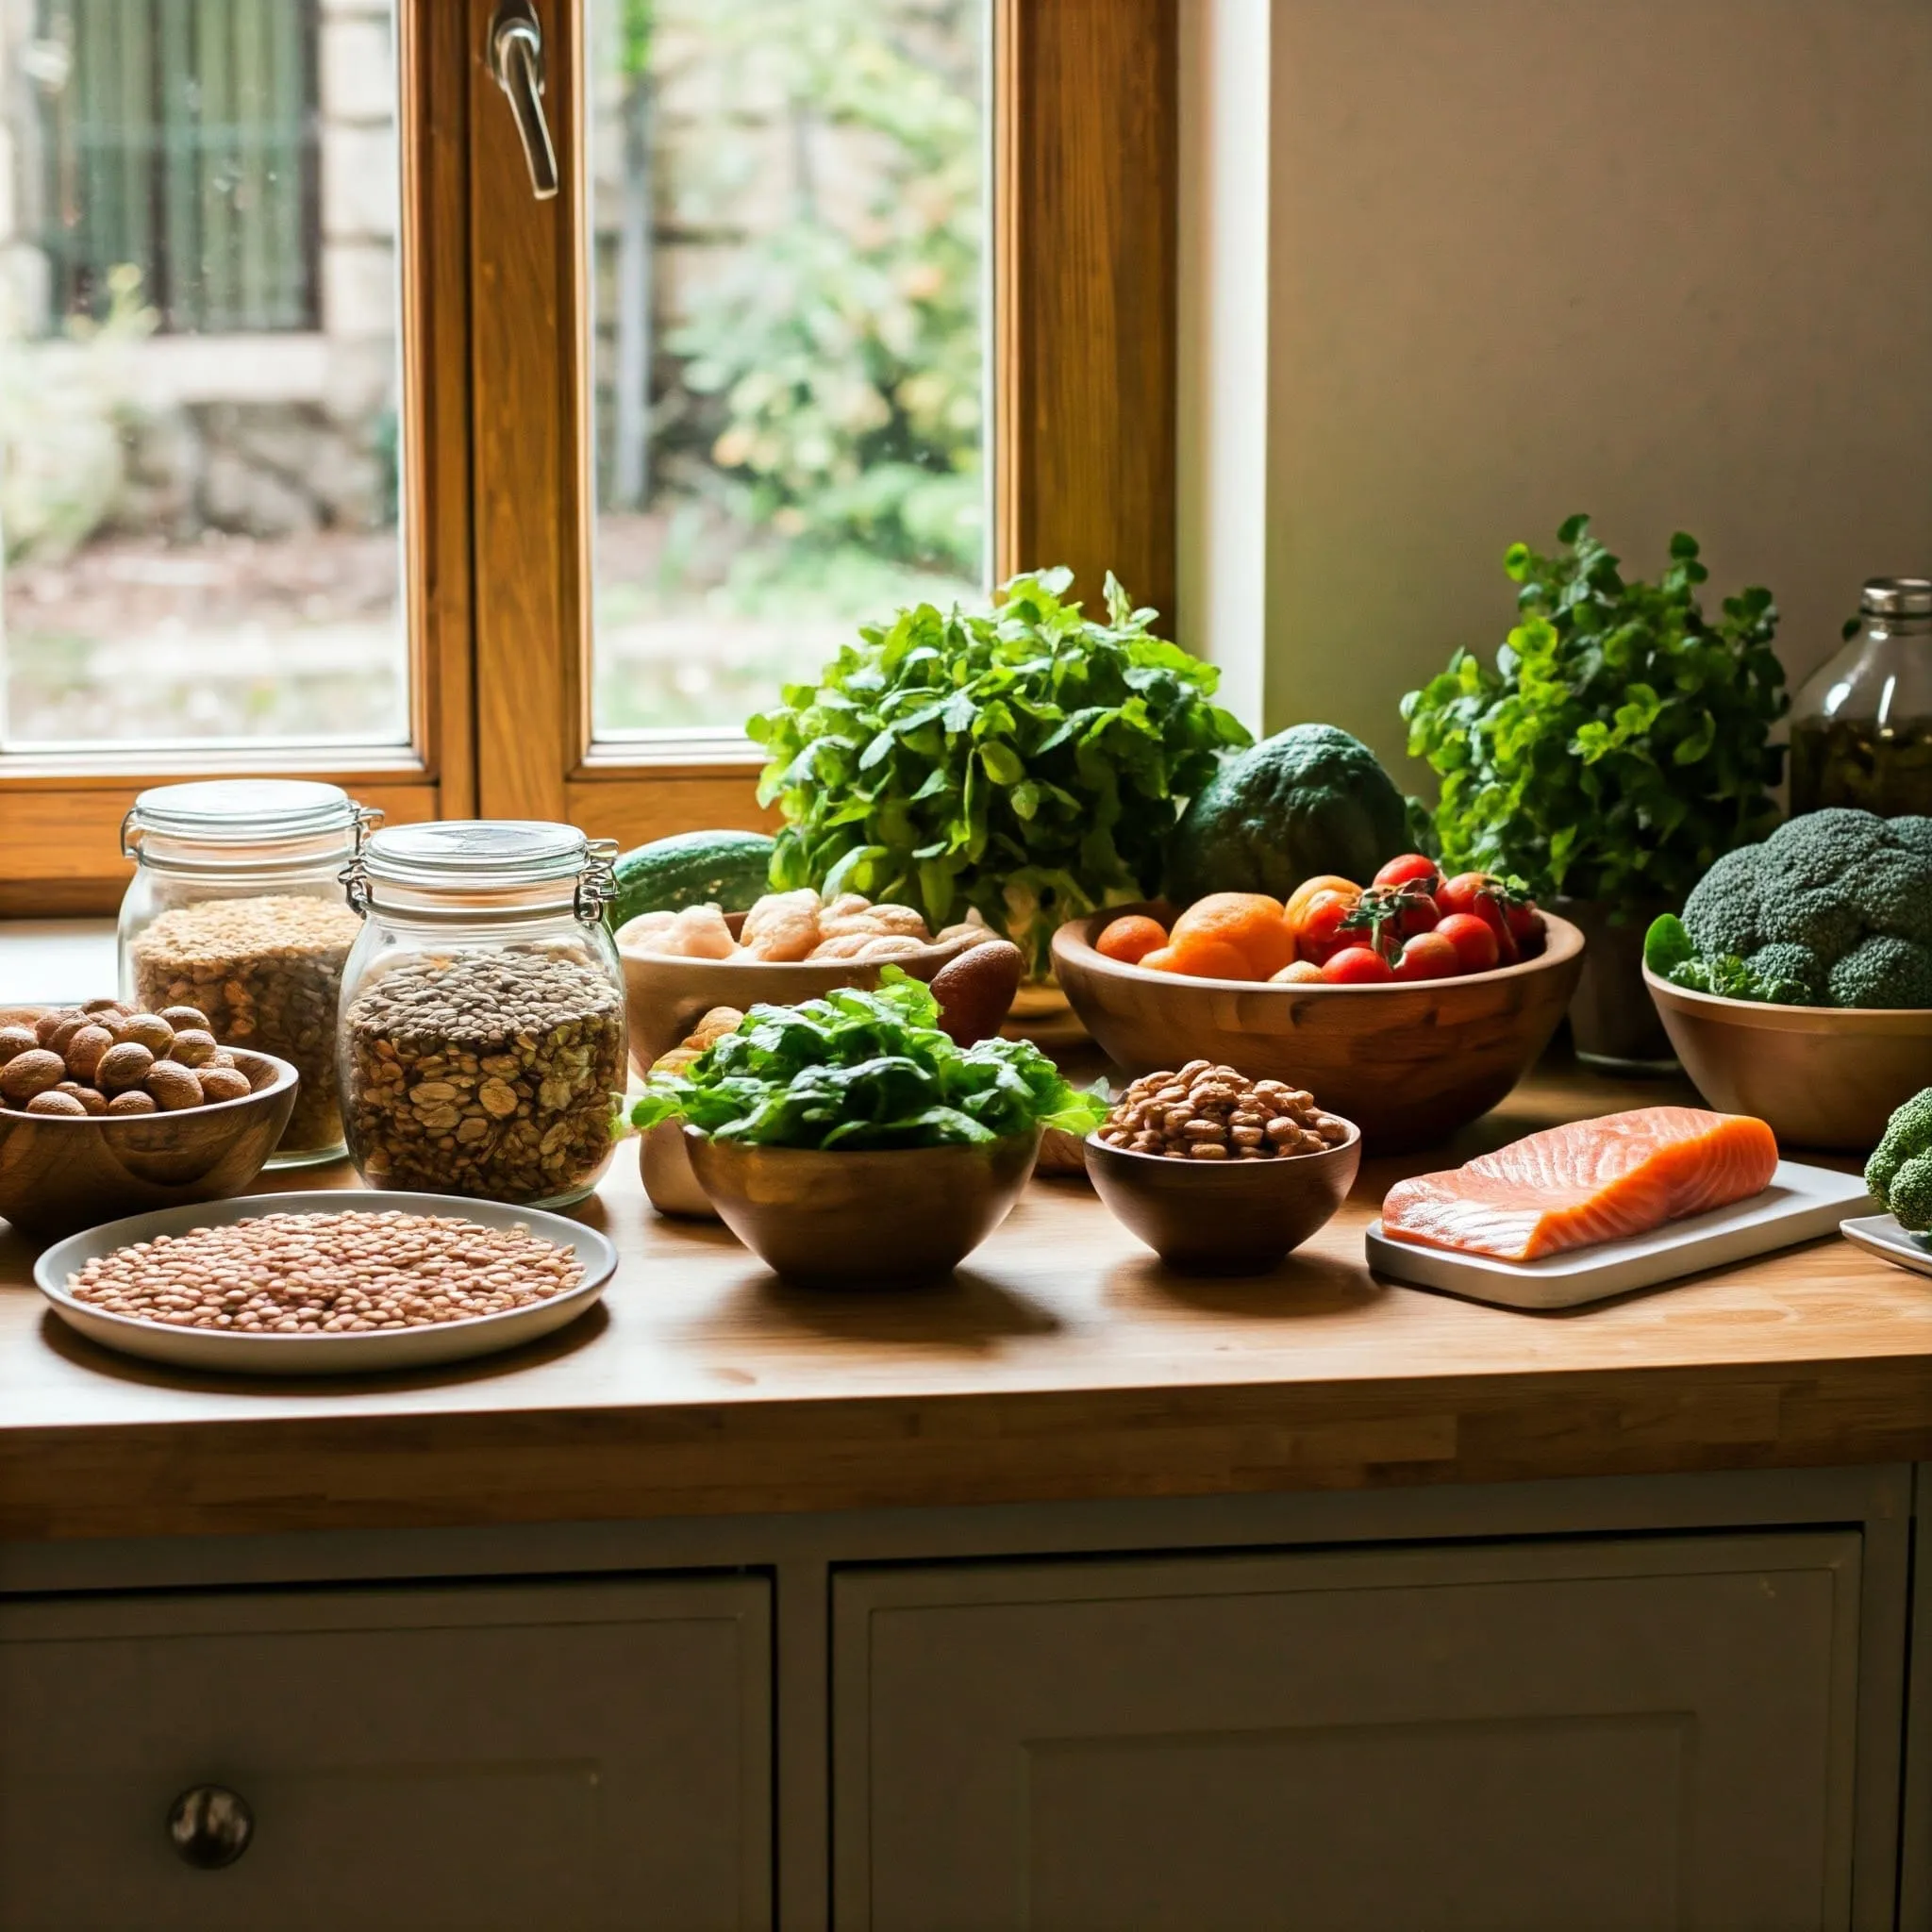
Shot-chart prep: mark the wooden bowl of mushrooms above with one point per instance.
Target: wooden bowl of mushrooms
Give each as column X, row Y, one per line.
column 104, row 1111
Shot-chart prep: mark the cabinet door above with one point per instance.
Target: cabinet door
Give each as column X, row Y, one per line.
column 561, row 1755
column 1627, row 1734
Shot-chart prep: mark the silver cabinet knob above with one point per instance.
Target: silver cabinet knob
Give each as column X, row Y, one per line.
column 209, row 1826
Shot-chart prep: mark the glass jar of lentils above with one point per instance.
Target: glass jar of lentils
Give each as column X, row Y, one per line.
column 482, row 1046
column 237, row 911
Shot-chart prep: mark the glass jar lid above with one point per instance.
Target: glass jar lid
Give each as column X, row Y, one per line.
column 1896, row 597
column 243, row 812
column 472, row 860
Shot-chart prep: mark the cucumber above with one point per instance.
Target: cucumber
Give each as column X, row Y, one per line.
column 730, row 870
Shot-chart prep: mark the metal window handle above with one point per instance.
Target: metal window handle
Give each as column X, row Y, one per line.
column 516, row 59
column 209, row 1826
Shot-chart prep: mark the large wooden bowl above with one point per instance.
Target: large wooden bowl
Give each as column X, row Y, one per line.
column 1821, row 1077
column 58, row 1173
column 1408, row 1064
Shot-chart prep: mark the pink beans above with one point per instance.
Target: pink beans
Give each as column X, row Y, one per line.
column 327, row 1274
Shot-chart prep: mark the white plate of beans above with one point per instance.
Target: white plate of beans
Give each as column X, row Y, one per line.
column 346, row 1282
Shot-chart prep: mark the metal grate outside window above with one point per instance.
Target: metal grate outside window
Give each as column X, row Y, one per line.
column 180, row 138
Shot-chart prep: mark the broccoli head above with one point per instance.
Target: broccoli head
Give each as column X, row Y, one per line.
column 1821, row 848
column 1910, row 834
column 1793, row 975
column 1900, row 1171
column 1824, row 917
column 1834, row 908
column 1894, row 892
column 1722, row 913
column 1882, row 972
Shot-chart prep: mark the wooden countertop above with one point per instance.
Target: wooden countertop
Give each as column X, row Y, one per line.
column 1062, row 1363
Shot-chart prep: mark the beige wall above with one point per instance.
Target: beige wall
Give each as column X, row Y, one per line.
column 1668, row 261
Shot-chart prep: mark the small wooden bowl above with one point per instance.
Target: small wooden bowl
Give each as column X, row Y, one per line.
column 863, row 1219
column 1409, row 1064
column 1821, row 1076
column 1223, row 1217
column 60, row 1174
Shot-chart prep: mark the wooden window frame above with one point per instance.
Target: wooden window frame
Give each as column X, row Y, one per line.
column 496, row 510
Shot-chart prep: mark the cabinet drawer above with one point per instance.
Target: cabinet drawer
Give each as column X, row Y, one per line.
column 560, row 1754
column 1635, row 1733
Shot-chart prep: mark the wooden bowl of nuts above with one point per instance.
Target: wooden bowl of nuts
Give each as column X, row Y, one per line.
column 1408, row 1062
column 106, row 1112
column 1219, row 1174
column 790, row 946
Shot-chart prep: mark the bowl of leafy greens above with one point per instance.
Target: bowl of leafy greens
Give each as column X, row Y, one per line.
column 850, row 1140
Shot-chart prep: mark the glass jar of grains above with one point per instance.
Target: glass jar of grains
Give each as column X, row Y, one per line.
column 482, row 1040
column 236, row 908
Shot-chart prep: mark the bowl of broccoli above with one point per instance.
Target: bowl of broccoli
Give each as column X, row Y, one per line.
column 1797, row 985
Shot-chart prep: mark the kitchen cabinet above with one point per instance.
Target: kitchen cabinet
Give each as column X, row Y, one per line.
column 1630, row 1733
column 581, row 1754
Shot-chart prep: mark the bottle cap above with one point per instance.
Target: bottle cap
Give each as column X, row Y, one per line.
column 1897, row 597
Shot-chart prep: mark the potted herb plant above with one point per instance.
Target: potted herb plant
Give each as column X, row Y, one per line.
column 1619, row 742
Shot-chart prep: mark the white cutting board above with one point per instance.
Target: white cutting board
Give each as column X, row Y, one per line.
column 1801, row 1204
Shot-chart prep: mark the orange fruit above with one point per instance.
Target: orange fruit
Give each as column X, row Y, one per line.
column 1298, row 973
column 1160, row 961
column 1309, row 891
column 1250, row 924
column 1131, row 939
column 1204, row 958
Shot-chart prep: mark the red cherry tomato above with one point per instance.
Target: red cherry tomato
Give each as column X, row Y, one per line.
column 1475, row 893
column 1474, row 939
column 1428, row 955
column 1411, row 868
column 1384, row 916
column 1321, row 934
column 1526, row 927
column 1357, row 966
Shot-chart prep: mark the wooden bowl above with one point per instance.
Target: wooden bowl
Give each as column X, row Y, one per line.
column 58, row 1173
column 1821, row 1077
column 666, row 996
column 862, row 1219
column 1408, row 1064
column 1223, row 1217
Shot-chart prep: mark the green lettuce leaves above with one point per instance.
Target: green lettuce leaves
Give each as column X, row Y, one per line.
column 1023, row 761
column 866, row 1069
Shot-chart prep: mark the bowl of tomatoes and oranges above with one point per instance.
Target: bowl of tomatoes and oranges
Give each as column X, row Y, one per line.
column 1411, row 1004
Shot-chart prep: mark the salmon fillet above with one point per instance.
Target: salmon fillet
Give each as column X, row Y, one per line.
column 1591, row 1181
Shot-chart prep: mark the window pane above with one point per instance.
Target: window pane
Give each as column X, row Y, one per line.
column 198, row 374
column 788, row 224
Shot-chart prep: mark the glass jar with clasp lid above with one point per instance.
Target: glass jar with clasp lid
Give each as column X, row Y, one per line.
column 236, row 909
column 482, row 1046
column 1861, row 727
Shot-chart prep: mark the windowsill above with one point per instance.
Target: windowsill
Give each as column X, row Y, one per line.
column 49, row 962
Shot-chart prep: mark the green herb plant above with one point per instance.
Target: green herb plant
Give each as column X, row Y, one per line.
column 1024, row 761
column 1619, row 742
column 865, row 1070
